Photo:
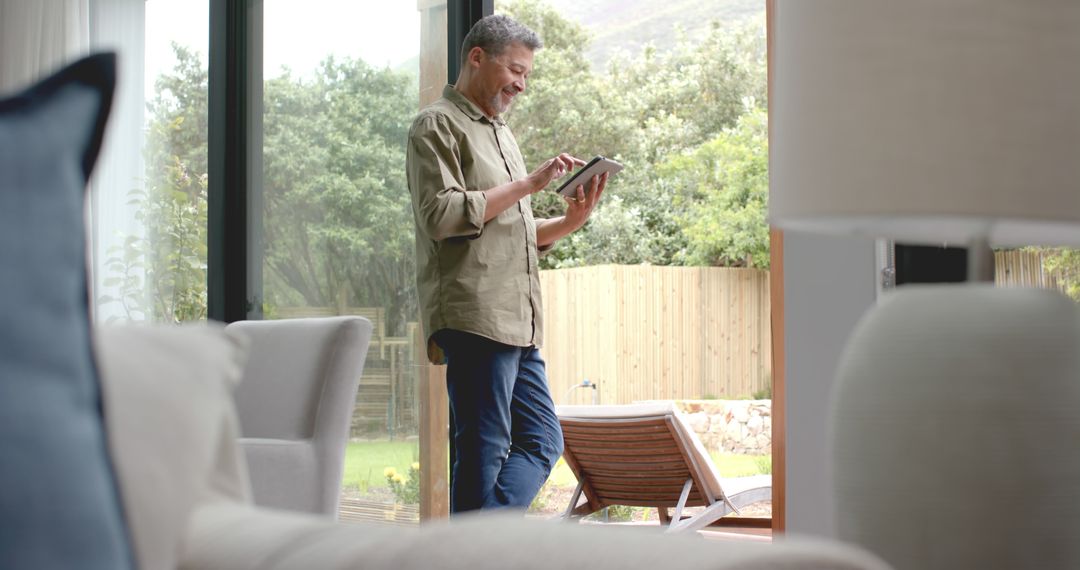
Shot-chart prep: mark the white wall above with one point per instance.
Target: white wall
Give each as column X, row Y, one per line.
column 828, row 283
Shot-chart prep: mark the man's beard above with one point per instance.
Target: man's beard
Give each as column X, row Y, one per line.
column 498, row 105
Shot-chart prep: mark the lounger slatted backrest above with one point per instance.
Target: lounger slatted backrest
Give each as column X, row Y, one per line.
column 635, row 462
column 644, row 455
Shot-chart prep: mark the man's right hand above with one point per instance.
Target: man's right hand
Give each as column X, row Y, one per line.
column 499, row 198
column 551, row 169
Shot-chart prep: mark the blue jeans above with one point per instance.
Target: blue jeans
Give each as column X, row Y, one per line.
column 506, row 435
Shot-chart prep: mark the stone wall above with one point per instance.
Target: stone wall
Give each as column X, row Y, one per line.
column 732, row 426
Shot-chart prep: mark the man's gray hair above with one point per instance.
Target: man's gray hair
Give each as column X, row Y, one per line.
column 495, row 33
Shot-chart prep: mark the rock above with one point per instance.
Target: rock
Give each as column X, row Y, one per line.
column 699, row 421
column 755, row 425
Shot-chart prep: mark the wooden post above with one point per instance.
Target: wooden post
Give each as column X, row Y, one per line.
column 434, row 436
column 434, row 405
column 432, row 49
column 776, row 306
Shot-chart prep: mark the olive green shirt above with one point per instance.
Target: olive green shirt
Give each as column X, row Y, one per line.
column 472, row 276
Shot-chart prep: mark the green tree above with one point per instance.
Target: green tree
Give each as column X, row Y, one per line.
column 1065, row 264
column 620, row 232
column 337, row 225
column 688, row 94
column 566, row 107
column 162, row 273
column 646, row 110
column 721, row 189
column 688, row 124
column 338, row 221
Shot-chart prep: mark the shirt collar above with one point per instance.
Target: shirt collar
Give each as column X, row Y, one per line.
column 467, row 106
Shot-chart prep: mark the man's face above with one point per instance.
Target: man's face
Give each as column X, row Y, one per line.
column 502, row 77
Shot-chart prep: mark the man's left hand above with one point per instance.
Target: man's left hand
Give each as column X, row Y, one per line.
column 580, row 206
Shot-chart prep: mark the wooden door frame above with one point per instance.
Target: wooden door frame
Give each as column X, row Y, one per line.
column 434, row 405
column 776, row 307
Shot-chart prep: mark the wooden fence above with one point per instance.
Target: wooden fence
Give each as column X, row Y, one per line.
column 637, row 332
column 1023, row 268
column 648, row 333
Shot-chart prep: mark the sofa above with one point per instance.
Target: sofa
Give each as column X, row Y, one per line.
column 119, row 443
column 169, row 387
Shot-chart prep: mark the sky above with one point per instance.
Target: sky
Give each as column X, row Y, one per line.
column 296, row 33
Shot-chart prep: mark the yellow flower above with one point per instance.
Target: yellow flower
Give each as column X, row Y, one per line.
column 415, row 466
column 398, row 478
column 389, row 472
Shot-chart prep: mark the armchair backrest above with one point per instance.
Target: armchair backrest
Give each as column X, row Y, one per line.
column 295, row 404
column 299, row 370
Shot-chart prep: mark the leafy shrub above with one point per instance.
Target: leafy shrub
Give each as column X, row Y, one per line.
column 405, row 487
column 763, row 394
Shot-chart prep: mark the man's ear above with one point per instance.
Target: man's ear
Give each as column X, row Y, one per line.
column 475, row 56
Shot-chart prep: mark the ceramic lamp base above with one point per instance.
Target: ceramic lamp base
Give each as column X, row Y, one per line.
column 956, row 429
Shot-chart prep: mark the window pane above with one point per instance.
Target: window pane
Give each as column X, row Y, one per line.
column 341, row 84
column 149, row 188
column 664, row 294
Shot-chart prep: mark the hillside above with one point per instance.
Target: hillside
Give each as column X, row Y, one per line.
column 629, row 25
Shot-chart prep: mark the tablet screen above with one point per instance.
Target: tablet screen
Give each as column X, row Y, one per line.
column 596, row 166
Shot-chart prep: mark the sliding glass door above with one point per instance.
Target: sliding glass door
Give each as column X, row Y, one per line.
column 333, row 226
column 665, row 293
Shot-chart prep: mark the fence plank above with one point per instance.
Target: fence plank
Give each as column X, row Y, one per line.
column 1024, row 268
column 646, row 333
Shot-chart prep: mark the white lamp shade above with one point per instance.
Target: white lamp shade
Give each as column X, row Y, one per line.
column 926, row 121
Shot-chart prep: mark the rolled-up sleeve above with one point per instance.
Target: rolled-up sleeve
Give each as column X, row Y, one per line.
column 542, row 250
column 444, row 208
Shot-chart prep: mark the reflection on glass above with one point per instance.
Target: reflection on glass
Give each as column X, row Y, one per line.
column 340, row 88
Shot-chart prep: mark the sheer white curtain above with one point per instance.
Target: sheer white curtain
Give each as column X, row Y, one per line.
column 38, row 36
column 118, row 26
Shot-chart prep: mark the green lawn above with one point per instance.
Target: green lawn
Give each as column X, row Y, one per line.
column 732, row 465
column 366, row 461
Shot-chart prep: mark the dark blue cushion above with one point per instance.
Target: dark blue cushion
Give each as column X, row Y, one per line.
column 59, row 505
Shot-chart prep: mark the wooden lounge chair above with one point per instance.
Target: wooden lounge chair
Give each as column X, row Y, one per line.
column 645, row 455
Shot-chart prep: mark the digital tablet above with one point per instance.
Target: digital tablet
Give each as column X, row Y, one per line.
column 596, row 166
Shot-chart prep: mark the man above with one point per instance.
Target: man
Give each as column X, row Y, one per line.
column 477, row 247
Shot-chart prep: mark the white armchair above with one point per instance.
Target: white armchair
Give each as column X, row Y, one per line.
column 295, row 406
